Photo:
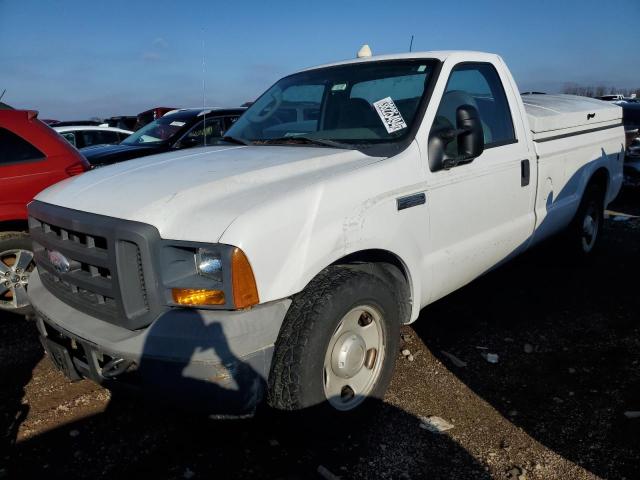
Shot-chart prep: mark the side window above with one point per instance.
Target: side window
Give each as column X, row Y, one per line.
column 110, row 137
column 99, row 137
column 15, row 149
column 229, row 121
column 90, row 137
column 70, row 137
column 210, row 130
column 479, row 85
column 122, row 136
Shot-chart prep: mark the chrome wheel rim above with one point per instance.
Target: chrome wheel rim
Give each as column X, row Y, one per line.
column 15, row 268
column 590, row 227
column 353, row 360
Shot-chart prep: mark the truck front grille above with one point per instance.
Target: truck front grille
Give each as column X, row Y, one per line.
column 102, row 271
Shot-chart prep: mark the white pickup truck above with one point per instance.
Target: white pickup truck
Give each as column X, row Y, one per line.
column 281, row 263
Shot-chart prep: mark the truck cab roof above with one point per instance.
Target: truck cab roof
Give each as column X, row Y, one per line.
column 434, row 54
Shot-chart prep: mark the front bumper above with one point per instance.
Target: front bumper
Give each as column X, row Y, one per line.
column 211, row 360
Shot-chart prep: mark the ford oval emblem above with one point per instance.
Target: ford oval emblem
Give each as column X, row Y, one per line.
column 59, row 261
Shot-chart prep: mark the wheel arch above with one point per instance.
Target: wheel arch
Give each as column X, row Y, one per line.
column 14, row 226
column 601, row 178
column 391, row 268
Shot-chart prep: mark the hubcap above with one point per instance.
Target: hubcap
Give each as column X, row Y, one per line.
column 15, row 268
column 354, row 358
column 590, row 228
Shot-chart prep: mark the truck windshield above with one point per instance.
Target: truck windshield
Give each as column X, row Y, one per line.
column 346, row 106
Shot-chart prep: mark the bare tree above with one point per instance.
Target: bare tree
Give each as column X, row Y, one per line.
column 573, row 88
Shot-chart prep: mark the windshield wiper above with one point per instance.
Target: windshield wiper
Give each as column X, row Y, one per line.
column 295, row 140
column 238, row 141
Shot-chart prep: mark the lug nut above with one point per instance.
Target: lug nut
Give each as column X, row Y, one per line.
column 18, row 270
column 24, row 279
column 7, row 284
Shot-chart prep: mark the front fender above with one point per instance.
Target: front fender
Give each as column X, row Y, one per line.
column 293, row 237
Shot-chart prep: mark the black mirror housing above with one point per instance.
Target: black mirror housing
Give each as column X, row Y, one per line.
column 468, row 135
column 471, row 140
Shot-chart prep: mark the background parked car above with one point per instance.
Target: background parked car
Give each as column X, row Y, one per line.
column 611, row 98
column 184, row 128
column 632, row 164
column 86, row 136
column 150, row 115
column 68, row 123
column 32, row 157
column 126, row 122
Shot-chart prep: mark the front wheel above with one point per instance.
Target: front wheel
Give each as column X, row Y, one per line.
column 16, row 265
column 337, row 346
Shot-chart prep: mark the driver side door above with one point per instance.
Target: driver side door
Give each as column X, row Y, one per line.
column 480, row 212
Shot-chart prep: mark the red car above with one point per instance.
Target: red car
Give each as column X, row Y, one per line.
column 32, row 157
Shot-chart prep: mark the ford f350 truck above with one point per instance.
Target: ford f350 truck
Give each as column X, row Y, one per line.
column 281, row 263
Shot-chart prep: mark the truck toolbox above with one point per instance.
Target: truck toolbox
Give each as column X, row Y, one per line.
column 551, row 116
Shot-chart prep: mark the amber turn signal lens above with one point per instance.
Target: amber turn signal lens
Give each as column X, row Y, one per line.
column 245, row 292
column 189, row 296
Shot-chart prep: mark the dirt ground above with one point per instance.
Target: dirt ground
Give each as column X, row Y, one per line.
column 552, row 407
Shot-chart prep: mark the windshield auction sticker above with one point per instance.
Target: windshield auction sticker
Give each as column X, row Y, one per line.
column 390, row 115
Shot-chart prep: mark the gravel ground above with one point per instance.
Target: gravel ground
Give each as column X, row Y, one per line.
column 567, row 339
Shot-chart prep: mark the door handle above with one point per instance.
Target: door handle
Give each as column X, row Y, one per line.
column 525, row 173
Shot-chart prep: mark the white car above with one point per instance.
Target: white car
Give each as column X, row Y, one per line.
column 282, row 263
column 81, row 136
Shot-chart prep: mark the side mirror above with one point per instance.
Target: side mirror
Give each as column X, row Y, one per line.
column 468, row 135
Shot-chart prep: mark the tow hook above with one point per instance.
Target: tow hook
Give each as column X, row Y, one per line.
column 115, row 367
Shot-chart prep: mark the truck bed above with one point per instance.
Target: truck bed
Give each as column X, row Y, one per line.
column 573, row 137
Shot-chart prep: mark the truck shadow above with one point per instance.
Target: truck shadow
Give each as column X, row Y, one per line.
column 568, row 342
column 20, row 351
column 146, row 436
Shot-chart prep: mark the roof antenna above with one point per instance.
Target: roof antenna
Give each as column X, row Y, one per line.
column 411, row 43
column 204, row 101
column 3, row 92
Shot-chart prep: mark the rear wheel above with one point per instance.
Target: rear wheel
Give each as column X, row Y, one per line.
column 586, row 228
column 336, row 348
column 16, row 265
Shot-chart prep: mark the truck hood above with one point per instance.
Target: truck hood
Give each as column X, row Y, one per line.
column 197, row 193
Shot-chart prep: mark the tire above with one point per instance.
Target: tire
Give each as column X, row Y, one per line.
column 16, row 263
column 345, row 323
column 585, row 230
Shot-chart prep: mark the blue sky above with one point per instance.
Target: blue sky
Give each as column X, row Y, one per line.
column 77, row 59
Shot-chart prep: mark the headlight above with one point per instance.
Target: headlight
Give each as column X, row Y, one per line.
column 209, row 264
column 208, row 275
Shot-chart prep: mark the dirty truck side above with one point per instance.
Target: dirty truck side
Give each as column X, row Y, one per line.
column 280, row 264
